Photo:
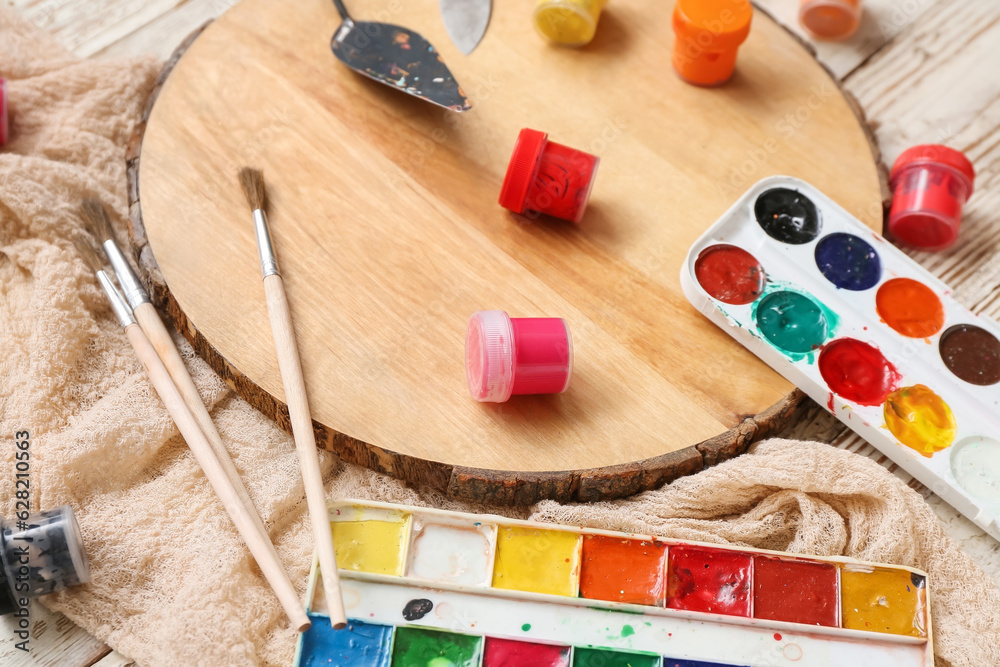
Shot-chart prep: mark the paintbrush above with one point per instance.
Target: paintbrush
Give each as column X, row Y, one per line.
column 98, row 224
column 290, row 367
column 252, row 532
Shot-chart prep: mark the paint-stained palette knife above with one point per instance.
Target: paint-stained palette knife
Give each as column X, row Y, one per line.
column 863, row 329
column 429, row 588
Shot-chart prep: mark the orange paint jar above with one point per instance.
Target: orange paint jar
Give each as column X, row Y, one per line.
column 830, row 19
column 708, row 35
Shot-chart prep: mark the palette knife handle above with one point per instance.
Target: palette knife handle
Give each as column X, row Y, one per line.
column 342, row 10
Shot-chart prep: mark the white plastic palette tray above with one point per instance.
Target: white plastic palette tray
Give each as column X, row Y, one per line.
column 429, row 588
column 899, row 382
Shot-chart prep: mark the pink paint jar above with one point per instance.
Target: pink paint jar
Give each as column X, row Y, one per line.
column 3, row 112
column 507, row 356
column 830, row 19
column 930, row 185
column 546, row 177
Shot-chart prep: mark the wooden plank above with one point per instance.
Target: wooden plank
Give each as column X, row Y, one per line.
column 162, row 35
column 55, row 641
column 936, row 84
column 114, row 659
column 84, row 29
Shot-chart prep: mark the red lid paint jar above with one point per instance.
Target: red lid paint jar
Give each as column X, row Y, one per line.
column 546, row 177
column 830, row 19
column 930, row 185
column 507, row 356
column 708, row 36
column 3, row 112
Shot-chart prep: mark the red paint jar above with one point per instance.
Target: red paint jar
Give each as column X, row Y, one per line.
column 546, row 177
column 930, row 185
column 507, row 356
column 3, row 112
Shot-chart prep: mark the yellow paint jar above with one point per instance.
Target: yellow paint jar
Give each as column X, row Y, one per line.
column 567, row 22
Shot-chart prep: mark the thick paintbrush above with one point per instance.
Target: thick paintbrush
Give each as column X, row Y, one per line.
column 242, row 515
column 252, row 181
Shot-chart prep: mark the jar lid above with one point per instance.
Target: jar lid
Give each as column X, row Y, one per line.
column 489, row 356
column 521, row 169
column 831, row 19
column 713, row 24
column 934, row 154
column 567, row 22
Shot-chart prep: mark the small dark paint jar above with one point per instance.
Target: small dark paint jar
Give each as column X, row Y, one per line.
column 41, row 554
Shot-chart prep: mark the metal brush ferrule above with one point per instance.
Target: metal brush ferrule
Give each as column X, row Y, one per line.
column 118, row 303
column 135, row 293
column 265, row 248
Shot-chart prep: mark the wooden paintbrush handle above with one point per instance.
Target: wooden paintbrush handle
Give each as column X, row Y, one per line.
column 305, row 442
column 163, row 343
column 256, row 540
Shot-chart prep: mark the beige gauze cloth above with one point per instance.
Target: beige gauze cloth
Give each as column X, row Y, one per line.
column 172, row 583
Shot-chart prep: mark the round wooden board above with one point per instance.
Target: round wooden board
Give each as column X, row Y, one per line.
column 383, row 210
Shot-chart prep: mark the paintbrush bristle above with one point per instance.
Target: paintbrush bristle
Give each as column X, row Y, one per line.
column 89, row 253
column 252, row 181
column 96, row 220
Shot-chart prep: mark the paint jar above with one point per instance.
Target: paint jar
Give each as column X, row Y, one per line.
column 567, row 22
column 546, row 177
column 41, row 553
column 708, row 35
column 830, row 19
column 507, row 356
column 3, row 112
column 930, row 185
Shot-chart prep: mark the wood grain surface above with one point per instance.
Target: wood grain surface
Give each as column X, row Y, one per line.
column 385, row 221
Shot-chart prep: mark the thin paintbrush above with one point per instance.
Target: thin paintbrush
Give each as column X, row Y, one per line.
column 252, row 181
column 256, row 540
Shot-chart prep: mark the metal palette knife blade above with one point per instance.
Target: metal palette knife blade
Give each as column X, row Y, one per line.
column 397, row 57
column 466, row 21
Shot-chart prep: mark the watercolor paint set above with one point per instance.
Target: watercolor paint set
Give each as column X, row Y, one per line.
column 862, row 329
column 431, row 588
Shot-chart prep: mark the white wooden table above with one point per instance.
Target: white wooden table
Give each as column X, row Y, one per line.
column 924, row 71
